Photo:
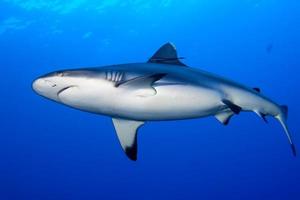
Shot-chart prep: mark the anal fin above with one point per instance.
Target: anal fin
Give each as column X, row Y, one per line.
column 261, row 115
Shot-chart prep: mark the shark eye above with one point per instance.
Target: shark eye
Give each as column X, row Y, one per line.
column 60, row 74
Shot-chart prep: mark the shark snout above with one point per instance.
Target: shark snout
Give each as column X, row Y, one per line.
column 37, row 85
column 46, row 88
column 41, row 84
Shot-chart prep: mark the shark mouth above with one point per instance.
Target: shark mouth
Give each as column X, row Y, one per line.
column 64, row 89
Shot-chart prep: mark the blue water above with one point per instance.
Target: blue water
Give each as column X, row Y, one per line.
column 49, row 151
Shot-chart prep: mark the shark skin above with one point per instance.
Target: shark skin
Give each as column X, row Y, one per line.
column 161, row 89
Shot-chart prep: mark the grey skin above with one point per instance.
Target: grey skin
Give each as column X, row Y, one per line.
column 161, row 89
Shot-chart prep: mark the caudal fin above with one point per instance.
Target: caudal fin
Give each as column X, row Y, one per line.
column 282, row 117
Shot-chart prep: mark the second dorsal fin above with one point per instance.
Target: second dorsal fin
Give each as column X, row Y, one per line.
column 257, row 89
column 167, row 54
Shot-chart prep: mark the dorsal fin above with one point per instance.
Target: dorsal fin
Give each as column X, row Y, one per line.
column 257, row 89
column 167, row 54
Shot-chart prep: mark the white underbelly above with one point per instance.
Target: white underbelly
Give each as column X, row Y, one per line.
column 170, row 102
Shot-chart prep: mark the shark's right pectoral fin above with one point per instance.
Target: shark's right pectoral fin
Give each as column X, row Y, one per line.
column 127, row 134
column 224, row 117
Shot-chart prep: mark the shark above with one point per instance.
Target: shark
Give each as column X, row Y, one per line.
column 163, row 88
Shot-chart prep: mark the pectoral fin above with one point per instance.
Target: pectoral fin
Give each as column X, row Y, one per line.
column 224, row 117
column 127, row 134
column 143, row 85
column 141, row 81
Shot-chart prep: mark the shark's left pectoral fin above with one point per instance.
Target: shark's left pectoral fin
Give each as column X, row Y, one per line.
column 142, row 85
column 127, row 134
column 141, row 81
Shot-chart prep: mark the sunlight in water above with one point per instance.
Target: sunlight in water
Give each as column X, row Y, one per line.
column 65, row 7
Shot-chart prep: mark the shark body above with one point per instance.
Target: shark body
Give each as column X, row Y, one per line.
column 161, row 89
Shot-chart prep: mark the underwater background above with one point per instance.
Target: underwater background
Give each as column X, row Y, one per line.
column 49, row 151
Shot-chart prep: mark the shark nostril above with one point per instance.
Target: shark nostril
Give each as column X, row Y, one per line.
column 50, row 83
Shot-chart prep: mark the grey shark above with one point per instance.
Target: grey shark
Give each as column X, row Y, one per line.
column 161, row 89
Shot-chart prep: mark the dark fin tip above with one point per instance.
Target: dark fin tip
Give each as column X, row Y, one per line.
column 265, row 119
column 294, row 150
column 226, row 122
column 131, row 153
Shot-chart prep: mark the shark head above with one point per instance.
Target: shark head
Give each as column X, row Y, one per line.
column 90, row 90
column 52, row 85
column 70, row 86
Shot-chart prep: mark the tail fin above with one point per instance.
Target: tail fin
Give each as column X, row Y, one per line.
column 282, row 117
